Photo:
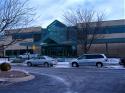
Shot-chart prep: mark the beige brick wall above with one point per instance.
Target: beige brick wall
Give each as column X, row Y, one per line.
column 17, row 45
column 114, row 49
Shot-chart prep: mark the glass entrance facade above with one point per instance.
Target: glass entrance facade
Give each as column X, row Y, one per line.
column 58, row 50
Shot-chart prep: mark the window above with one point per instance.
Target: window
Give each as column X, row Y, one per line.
column 82, row 57
column 37, row 37
column 93, row 56
column 41, row 57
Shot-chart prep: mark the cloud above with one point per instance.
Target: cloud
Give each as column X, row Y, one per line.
column 113, row 9
column 49, row 10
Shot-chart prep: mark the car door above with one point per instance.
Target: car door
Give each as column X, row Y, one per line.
column 82, row 60
column 42, row 60
column 36, row 61
column 90, row 60
column 87, row 60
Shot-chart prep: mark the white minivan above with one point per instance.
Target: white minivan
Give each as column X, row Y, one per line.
column 90, row 59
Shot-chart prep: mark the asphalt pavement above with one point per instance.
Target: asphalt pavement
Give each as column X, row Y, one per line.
column 69, row 80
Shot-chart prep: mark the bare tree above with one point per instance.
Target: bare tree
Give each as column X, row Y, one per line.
column 87, row 24
column 14, row 14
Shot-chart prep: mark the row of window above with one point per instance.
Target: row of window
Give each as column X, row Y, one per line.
column 60, row 35
column 90, row 56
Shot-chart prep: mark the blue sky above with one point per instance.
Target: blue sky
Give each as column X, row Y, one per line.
column 49, row 10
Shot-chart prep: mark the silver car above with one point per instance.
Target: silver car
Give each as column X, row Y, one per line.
column 43, row 60
column 90, row 59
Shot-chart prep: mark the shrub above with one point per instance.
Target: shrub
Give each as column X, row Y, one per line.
column 5, row 67
column 122, row 61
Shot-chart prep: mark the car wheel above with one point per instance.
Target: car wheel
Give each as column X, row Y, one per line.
column 46, row 64
column 99, row 64
column 29, row 64
column 75, row 64
column 35, row 65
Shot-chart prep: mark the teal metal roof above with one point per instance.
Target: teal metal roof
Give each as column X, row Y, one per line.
column 55, row 31
column 57, row 24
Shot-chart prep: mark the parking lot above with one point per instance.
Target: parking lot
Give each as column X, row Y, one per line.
column 63, row 78
column 70, row 80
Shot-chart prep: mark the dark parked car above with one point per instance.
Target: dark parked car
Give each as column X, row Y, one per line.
column 122, row 62
column 18, row 60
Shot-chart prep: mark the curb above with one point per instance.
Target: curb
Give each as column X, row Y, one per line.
column 18, row 64
column 27, row 78
column 21, row 79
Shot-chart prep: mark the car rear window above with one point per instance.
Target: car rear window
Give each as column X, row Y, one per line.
column 93, row 56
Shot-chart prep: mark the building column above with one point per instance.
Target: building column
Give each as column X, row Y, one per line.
column 107, row 52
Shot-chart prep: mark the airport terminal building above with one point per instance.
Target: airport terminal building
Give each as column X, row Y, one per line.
column 61, row 40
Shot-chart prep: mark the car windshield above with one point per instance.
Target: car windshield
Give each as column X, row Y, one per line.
column 49, row 57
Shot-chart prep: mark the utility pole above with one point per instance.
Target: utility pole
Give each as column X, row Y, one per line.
column 27, row 48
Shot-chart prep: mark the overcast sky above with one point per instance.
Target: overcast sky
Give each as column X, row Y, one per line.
column 49, row 10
